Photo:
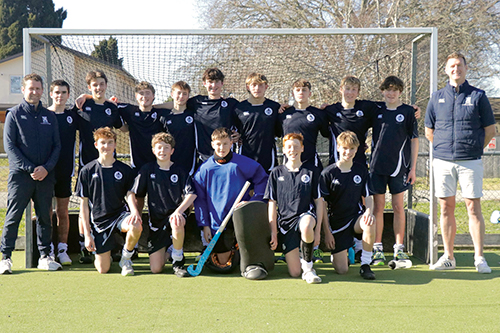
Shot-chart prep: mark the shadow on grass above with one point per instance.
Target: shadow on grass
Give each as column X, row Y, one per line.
column 419, row 274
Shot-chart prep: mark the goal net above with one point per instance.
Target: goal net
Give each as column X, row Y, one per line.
column 322, row 56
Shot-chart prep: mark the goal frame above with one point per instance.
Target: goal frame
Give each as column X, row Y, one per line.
column 421, row 33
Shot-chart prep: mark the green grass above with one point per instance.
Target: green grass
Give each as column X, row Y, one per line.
column 415, row 300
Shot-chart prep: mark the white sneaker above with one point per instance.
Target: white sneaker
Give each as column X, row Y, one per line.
column 482, row 266
column 64, row 258
column 311, row 277
column 126, row 265
column 49, row 264
column 6, row 266
column 444, row 263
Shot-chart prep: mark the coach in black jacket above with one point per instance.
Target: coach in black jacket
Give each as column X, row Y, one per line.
column 31, row 140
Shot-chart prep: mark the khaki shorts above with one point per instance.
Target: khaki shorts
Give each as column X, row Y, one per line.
column 468, row 173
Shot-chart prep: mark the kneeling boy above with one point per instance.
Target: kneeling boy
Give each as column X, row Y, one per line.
column 104, row 183
column 170, row 194
column 218, row 182
column 292, row 189
column 343, row 184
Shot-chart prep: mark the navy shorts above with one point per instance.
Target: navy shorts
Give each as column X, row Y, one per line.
column 378, row 183
column 159, row 238
column 344, row 237
column 291, row 239
column 62, row 188
column 104, row 240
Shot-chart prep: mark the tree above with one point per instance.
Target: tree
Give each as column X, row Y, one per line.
column 18, row 14
column 469, row 26
column 107, row 50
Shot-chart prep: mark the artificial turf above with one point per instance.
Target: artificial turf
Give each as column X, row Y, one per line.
column 78, row 299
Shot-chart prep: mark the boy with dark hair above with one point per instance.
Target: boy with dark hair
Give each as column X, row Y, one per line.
column 344, row 184
column 393, row 162
column 296, row 209
column 94, row 113
column 180, row 123
column 306, row 120
column 217, row 183
column 258, row 123
column 170, row 194
column 31, row 140
column 212, row 111
column 67, row 120
column 104, row 183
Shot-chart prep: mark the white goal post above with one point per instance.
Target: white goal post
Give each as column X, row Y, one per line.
column 162, row 57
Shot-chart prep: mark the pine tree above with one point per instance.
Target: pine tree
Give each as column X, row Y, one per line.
column 107, row 50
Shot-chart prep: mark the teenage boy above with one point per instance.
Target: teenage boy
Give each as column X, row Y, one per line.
column 218, row 182
column 31, row 140
column 393, row 162
column 258, row 123
column 296, row 209
column 344, row 184
column 170, row 194
column 180, row 123
column 211, row 112
column 104, row 183
column 67, row 120
column 93, row 114
column 306, row 120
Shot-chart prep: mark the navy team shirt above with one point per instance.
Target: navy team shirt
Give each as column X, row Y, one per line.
column 393, row 131
column 259, row 126
column 309, row 123
column 92, row 117
column 142, row 126
column 67, row 122
column 209, row 115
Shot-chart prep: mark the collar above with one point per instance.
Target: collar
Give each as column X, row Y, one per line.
column 461, row 88
column 223, row 160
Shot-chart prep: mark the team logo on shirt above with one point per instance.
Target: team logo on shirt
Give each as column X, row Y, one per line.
column 95, row 175
column 400, row 118
column 154, row 115
column 108, row 111
column 281, row 178
column 268, row 111
column 169, row 122
column 118, row 175
column 45, row 121
column 189, row 120
column 379, row 116
column 69, row 119
column 152, row 176
column 246, row 113
column 468, row 101
column 137, row 114
column 88, row 108
column 223, row 104
column 359, row 113
column 441, row 100
column 305, row 179
column 356, row 179
column 310, row 117
column 339, row 114
column 23, row 117
column 174, row 178
column 288, row 116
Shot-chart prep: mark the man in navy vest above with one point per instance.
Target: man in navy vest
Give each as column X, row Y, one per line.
column 459, row 122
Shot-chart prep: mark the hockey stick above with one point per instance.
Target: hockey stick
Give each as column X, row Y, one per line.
column 195, row 272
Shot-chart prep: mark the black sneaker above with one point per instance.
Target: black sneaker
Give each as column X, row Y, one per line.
column 85, row 257
column 366, row 272
column 179, row 269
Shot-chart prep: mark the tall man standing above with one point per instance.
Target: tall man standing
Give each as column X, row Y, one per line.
column 31, row 139
column 459, row 122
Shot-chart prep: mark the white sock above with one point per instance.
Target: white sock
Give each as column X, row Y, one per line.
column 398, row 247
column 358, row 245
column 177, row 255
column 378, row 247
column 203, row 241
column 127, row 254
column 366, row 257
column 306, row 266
column 62, row 247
